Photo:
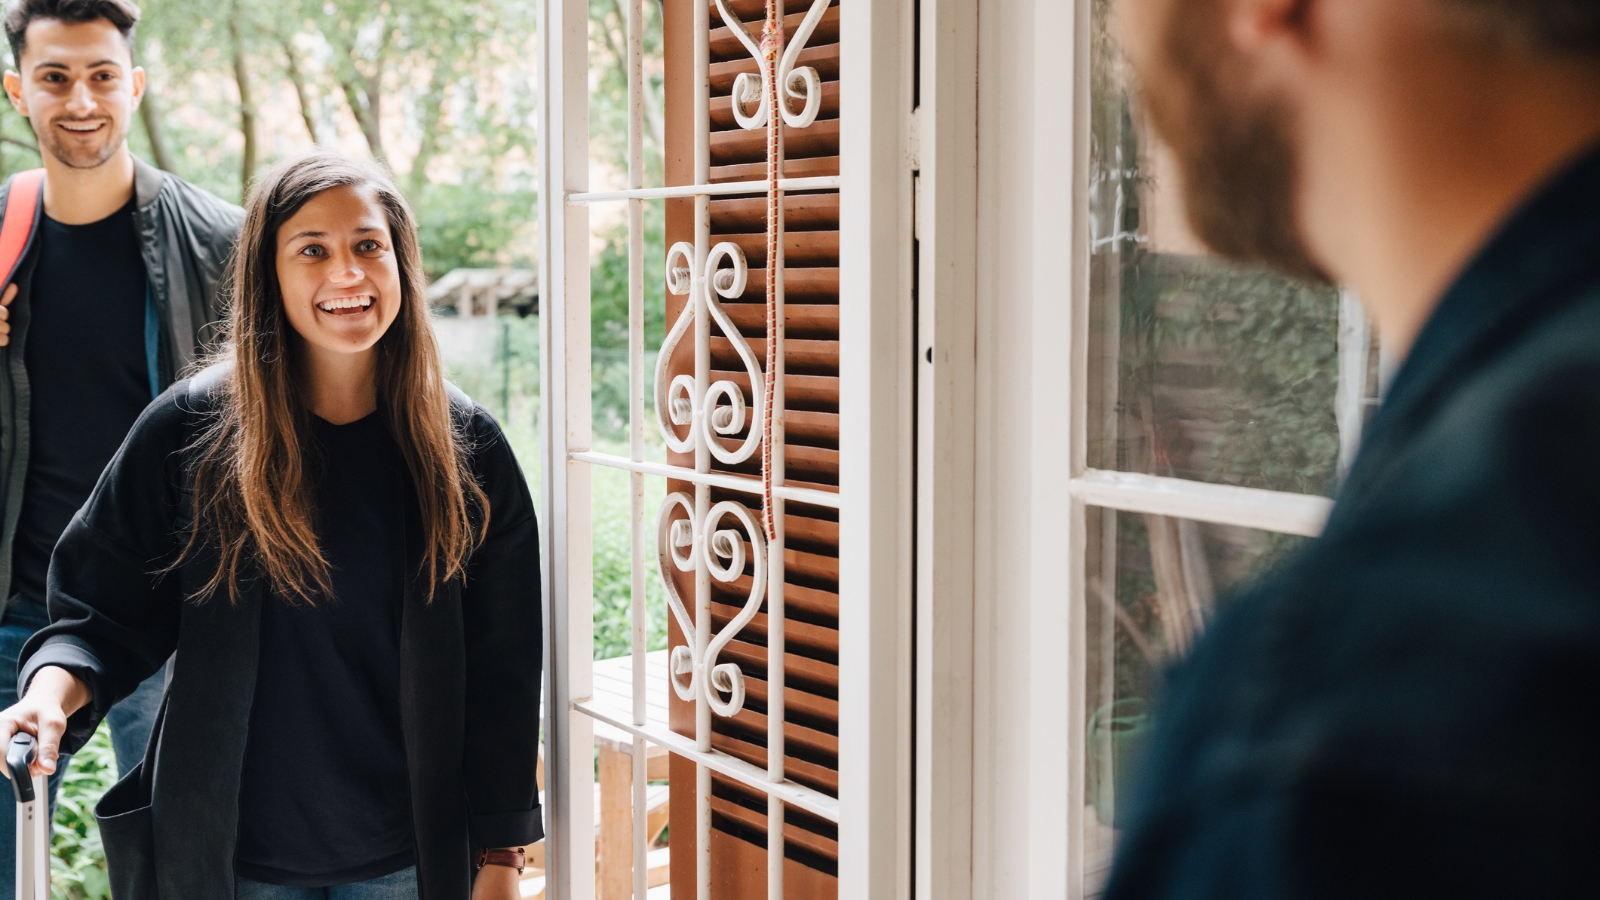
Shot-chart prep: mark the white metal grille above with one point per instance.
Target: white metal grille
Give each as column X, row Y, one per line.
column 716, row 421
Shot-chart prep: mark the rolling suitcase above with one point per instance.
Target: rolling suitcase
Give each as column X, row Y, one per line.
column 33, row 821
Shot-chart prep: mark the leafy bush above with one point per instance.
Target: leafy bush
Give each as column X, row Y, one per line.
column 77, row 858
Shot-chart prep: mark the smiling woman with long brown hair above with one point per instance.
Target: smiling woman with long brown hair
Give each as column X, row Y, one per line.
column 339, row 552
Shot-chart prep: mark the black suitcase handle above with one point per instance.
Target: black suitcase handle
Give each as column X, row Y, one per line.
column 19, row 756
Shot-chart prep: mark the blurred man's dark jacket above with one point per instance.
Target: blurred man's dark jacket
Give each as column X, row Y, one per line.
column 1411, row 706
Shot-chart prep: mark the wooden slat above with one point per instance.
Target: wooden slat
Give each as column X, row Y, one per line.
column 811, row 249
column 757, row 821
column 806, row 285
column 795, row 700
column 725, row 44
column 818, row 778
column 808, row 674
column 722, row 109
column 809, row 640
column 817, row 747
column 801, row 212
column 813, row 429
column 803, row 321
column 810, row 167
column 803, row 391
column 811, row 565
column 801, row 599
column 824, row 58
column 740, row 146
column 813, row 465
column 806, row 355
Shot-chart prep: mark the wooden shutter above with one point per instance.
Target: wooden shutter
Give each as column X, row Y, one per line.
column 811, row 559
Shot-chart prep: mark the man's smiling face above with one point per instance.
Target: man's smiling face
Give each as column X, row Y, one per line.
column 78, row 86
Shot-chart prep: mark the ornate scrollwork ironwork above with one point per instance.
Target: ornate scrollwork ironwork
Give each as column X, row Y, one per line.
column 677, row 543
column 801, row 84
column 722, row 411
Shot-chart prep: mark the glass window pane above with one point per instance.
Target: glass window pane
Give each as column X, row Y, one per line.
column 1199, row 369
column 1153, row 584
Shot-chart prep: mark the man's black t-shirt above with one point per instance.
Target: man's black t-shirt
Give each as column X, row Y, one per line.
column 324, row 798
column 85, row 357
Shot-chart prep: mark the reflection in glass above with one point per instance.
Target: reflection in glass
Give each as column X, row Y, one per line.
column 1153, row 583
column 1199, row 369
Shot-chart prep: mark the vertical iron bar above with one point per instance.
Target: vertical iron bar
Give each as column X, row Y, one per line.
column 702, row 453
column 636, row 524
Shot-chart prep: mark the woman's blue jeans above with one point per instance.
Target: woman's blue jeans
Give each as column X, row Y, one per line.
column 401, row 885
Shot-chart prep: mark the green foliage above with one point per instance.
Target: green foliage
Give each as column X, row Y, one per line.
column 511, row 373
column 1271, row 350
column 466, row 225
column 613, row 579
column 440, row 89
column 78, row 861
column 608, row 315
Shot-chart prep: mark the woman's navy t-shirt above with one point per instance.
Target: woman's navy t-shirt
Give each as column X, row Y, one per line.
column 324, row 797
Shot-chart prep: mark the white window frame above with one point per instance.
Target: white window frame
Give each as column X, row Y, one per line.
column 1263, row 510
column 875, row 494
column 1028, row 665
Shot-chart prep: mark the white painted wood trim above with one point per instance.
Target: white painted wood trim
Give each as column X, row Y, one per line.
column 944, row 147
column 876, row 347
column 565, row 426
column 1301, row 514
column 1056, row 666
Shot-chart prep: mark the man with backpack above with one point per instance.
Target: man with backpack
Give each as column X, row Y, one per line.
column 111, row 271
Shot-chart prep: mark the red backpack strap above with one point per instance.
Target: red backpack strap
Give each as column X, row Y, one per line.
column 24, row 199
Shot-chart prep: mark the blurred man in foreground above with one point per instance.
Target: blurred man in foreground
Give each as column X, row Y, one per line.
column 1408, row 708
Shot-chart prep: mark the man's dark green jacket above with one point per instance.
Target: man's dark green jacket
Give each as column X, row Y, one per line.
column 1410, row 707
column 186, row 236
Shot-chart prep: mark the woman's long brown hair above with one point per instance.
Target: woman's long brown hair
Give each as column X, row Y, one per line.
column 253, row 491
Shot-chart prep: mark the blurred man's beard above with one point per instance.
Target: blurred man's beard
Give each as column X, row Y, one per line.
column 1235, row 154
column 84, row 157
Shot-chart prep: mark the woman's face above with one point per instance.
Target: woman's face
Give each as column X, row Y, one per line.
column 338, row 271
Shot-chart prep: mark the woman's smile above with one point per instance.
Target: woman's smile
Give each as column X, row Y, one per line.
column 353, row 305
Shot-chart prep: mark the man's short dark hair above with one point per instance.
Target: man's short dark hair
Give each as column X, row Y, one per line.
column 1564, row 26
column 20, row 14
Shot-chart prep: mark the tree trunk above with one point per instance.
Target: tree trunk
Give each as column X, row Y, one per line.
column 247, row 109
column 297, row 78
column 150, row 114
column 364, row 93
column 363, row 107
column 432, row 108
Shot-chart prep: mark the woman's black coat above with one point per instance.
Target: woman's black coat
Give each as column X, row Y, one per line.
column 469, row 679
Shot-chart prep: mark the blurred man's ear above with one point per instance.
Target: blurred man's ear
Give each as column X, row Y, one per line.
column 13, row 83
column 1253, row 23
column 138, row 86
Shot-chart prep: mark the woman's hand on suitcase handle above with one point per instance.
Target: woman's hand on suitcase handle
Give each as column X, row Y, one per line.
column 53, row 695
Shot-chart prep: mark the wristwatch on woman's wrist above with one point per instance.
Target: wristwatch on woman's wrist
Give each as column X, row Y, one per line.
column 512, row 858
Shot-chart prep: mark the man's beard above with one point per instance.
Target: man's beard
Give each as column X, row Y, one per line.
column 1235, row 154
column 53, row 143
